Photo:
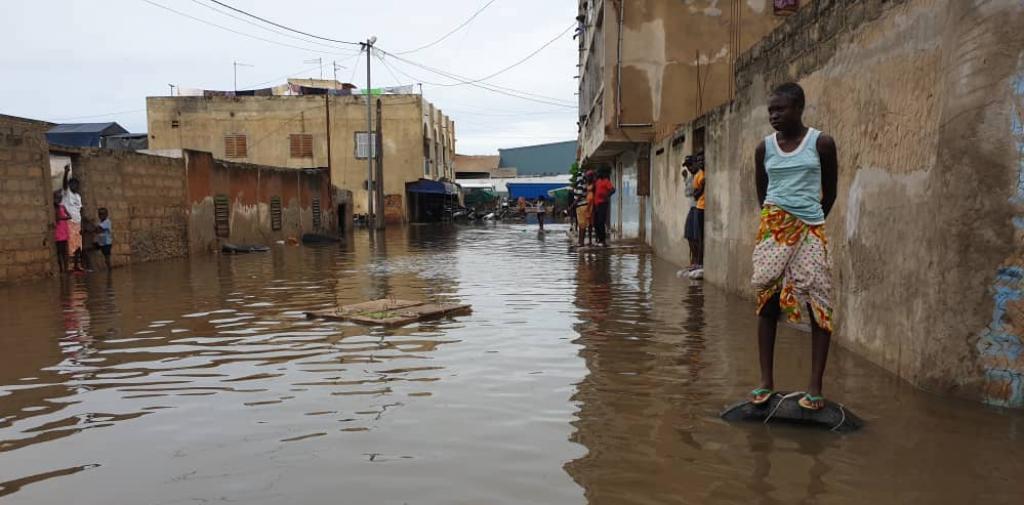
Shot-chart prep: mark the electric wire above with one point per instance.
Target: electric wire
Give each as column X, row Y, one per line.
column 210, row 23
column 266, row 28
column 449, row 34
column 557, row 102
column 240, row 11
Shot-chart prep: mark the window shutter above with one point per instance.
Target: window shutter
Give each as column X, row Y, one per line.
column 235, row 146
column 301, row 145
column 316, row 213
column 221, row 216
column 275, row 213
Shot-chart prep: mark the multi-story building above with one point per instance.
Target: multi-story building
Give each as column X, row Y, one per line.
column 291, row 130
column 646, row 68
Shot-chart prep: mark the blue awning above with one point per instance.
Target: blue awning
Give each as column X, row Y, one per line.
column 429, row 187
column 532, row 190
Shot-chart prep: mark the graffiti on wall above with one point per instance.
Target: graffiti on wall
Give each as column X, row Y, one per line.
column 1002, row 344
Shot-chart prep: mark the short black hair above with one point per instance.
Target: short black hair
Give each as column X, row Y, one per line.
column 791, row 90
column 103, row 209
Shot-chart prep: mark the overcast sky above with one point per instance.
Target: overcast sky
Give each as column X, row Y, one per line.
column 92, row 61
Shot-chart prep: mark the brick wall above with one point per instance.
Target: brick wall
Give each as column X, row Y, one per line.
column 26, row 205
column 145, row 196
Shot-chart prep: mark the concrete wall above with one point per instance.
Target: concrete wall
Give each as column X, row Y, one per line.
column 145, row 196
column 665, row 46
column 923, row 98
column 249, row 189
column 26, row 214
column 411, row 128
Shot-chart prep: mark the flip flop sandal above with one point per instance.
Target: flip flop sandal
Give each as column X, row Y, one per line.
column 767, row 394
column 806, row 402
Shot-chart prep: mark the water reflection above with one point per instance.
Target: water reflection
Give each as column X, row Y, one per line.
column 591, row 377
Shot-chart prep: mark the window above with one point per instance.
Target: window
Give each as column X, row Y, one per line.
column 235, row 146
column 175, row 123
column 365, row 144
column 302, row 145
column 316, row 213
column 221, row 216
column 275, row 213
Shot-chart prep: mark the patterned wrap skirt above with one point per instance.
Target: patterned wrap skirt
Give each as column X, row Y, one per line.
column 791, row 260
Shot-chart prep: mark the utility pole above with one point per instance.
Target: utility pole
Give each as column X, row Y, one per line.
column 368, row 45
column 237, row 64
column 172, row 89
column 378, row 176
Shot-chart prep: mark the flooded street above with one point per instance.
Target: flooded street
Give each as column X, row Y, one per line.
column 578, row 378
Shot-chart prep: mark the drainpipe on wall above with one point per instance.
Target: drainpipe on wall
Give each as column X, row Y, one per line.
column 618, row 74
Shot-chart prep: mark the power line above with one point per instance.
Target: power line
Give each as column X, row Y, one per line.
column 520, row 62
column 262, row 27
column 240, row 11
column 557, row 102
column 449, row 34
column 164, row 7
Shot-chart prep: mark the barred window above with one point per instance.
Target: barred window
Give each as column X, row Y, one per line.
column 222, row 216
column 365, row 143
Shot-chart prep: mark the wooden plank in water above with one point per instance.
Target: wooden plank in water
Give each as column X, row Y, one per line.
column 389, row 312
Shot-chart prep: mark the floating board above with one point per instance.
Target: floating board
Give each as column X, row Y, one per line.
column 783, row 408
column 243, row 248
column 390, row 313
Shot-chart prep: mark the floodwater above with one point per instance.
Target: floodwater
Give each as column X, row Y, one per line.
column 578, row 378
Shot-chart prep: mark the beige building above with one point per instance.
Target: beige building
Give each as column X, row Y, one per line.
column 291, row 131
column 647, row 68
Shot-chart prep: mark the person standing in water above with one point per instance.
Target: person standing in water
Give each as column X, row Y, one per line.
column 796, row 171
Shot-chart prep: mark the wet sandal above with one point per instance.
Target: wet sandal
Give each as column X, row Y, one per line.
column 807, row 402
column 761, row 396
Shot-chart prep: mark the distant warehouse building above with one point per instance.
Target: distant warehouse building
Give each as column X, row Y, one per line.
column 539, row 160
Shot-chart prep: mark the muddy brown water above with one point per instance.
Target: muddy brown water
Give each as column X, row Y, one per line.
column 590, row 378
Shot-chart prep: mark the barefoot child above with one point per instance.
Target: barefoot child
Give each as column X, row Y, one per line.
column 105, row 238
column 796, row 174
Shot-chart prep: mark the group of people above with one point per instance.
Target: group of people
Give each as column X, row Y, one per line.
column 592, row 197
column 70, row 226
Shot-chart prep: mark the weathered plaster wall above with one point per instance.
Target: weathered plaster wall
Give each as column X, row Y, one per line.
column 26, row 214
column 926, row 235
column 665, row 46
column 145, row 196
column 249, row 189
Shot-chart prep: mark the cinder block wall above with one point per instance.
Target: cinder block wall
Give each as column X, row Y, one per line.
column 146, row 199
column 925, row 99
column 26, row 203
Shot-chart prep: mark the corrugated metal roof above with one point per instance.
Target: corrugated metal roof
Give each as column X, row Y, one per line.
column 542, row 159
column 82, row 134
column 89, row 128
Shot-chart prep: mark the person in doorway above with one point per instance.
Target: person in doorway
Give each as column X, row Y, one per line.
column 105, row 236
column 71, row 199
column 690, row 229
column 603, row 191
column 796, row 171
column 60, row 231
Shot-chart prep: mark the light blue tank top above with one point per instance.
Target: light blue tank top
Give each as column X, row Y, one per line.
column 794, row 178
